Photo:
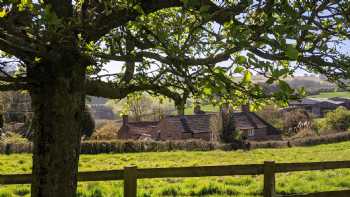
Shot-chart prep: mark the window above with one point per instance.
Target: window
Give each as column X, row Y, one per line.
column 251, row 132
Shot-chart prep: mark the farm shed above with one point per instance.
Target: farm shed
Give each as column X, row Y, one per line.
column 319, row 107
column 250, row 126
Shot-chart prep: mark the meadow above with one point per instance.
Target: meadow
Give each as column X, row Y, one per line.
column 332, row 94
column 288, row 183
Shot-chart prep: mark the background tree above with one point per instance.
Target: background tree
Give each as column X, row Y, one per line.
column 57, row 44
column 335, row 121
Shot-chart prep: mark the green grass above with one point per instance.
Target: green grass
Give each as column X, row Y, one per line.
column 288, row 183
column 332, row 94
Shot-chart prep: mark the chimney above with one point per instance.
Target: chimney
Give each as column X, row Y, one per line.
column 125, row 119
column 197, row 109
column 245, row 108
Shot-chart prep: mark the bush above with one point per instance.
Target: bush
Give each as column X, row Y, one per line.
column 291, row 120
column 335, row 121
column 272, row 115
column 107, row 131
column 124, row 146
column 305, row 132
column 11, row 138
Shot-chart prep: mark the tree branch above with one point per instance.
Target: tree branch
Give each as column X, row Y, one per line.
column 13, row 87
column 112, row 91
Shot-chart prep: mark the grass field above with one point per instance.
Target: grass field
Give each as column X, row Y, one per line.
column 290, row 183
column 332, row 94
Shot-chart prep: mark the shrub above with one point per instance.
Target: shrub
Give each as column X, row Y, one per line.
column 12, row 138
column 337, row 120
column 106, row 131
column 291, row 120
column 305, row 132
column 272, row 115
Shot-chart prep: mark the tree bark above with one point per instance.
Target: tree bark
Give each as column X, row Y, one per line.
column 58, row 101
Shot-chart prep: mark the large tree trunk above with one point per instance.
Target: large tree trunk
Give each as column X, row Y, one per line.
column 58, row 101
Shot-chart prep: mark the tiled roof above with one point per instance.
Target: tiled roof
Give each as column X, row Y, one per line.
column 305, row 102
column 319, row 101
column 199, row 123
column 141, row 127
column 248, row 120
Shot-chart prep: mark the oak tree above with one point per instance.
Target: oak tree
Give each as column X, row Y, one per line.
column 167, row 46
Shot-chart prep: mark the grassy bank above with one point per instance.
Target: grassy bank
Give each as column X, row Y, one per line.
column 300, row 182
column 332, row 94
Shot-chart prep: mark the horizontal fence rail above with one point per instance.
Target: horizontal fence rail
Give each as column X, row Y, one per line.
column 130, row 175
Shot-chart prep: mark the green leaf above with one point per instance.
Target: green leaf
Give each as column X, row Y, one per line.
column 284, row 86
column 207, row 91
column 25, row 4
column 51, row 17
column 192, row 3
column 239, row 69
column 247, row 76
column 270, row 81
column 302, row 91
column 241, row 59
column 204, row 9
column 3, row 13
column 218, row 70
column 138, row 8
column 292, row 52
column 37, row 59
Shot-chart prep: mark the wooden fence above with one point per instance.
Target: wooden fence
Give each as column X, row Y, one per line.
column 268, row 170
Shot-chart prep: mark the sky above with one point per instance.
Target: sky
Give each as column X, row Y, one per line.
column 115, row 67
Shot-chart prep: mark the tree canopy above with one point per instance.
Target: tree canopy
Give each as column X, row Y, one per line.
column 174, row 48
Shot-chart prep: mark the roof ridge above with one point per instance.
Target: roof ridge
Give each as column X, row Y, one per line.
column 250, row 119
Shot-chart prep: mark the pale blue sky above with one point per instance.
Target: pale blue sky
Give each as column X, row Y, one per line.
column 114, row 66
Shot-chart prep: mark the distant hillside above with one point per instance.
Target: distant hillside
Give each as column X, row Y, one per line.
column 313, row 85
column 331, row 95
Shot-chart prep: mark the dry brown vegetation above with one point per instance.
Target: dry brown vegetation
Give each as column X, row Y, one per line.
column 107, row 130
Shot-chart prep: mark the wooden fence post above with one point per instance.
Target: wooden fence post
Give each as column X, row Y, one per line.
column 269, row 179
column 130, row 181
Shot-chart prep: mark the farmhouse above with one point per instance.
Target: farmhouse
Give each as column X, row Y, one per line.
column 250, row 126
column 141, row 130
column 198, row 126
column 204, row 126
column 247, row 125
column 319, row 107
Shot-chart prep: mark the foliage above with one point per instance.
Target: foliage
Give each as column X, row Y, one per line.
column 207, row 108
column 4, row 101
column 287, row 183
column 13, row 138
column 107, row 131
column 338, row 121
column 305, row 133
column 142, row 106
column 292, row 119
column 271, row 113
